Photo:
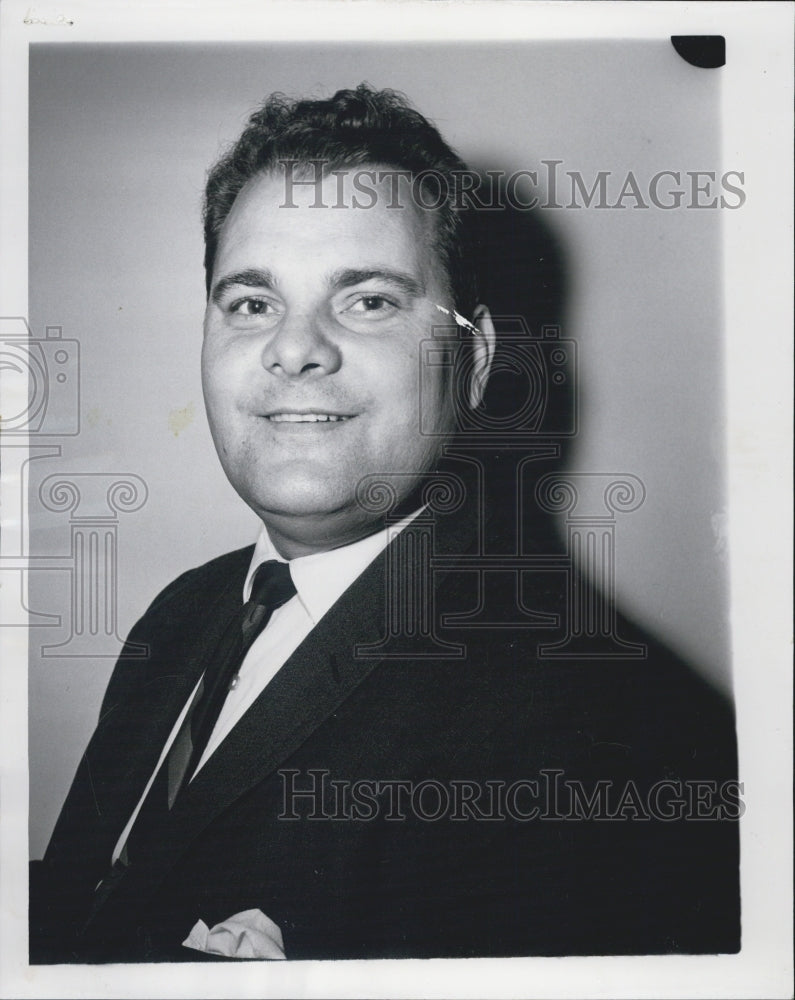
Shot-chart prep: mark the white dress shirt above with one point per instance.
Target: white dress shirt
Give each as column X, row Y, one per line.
column 320, row 579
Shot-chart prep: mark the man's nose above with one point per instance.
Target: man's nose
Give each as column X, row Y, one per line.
column 301, row 346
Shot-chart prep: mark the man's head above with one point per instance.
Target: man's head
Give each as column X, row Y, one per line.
column 354, row 128
column 320, row 296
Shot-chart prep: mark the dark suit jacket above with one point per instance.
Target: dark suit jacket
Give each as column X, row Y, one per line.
column 410, row 878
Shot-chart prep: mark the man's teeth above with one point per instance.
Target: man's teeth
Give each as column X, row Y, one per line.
column 304, row 418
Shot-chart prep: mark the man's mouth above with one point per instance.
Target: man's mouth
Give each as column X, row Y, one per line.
column 311, row 417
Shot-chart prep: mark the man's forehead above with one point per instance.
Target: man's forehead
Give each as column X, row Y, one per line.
column 291, row 185
column 339, row 214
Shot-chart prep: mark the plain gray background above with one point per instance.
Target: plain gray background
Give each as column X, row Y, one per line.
column 120, row 139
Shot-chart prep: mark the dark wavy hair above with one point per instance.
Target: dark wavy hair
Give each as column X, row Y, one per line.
column 350, row 129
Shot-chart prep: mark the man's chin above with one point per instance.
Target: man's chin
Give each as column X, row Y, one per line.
column 304, row 523
column 305, row 501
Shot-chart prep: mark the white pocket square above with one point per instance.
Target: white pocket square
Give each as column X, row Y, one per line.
column 249, row 934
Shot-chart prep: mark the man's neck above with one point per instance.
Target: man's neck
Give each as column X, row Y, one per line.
column 294, row 536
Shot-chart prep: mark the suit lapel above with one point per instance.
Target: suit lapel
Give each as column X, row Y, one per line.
column 322, row 672
column 314, row 681
column 142, row 723
column 318, row 677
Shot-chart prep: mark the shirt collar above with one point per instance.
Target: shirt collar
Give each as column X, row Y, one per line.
column 321, row 578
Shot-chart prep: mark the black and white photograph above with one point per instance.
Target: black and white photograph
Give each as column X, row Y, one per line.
column 396, row 517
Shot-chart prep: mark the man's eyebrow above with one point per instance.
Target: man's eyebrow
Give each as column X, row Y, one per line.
column 252, row 277
column 348, row 276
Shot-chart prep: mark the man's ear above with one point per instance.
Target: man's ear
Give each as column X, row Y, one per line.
column 485, row 341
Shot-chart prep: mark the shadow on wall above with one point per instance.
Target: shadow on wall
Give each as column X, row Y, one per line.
column 529, row 412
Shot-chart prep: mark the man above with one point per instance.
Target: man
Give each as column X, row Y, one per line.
column 320, row 757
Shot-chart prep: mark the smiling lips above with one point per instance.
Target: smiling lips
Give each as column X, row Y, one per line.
column 311, row 417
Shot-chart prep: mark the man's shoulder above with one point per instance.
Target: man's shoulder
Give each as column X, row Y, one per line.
column 173, row 618
column 190, row 599
column 209, row 578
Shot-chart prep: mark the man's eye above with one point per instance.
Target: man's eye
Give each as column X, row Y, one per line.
column 252, row 307
column 372, row 304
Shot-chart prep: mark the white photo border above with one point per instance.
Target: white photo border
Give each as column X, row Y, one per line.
column 757, row 120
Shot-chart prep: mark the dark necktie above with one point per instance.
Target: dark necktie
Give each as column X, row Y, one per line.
column 272, row 586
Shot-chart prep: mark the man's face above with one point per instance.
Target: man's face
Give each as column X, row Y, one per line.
column 311, row 358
